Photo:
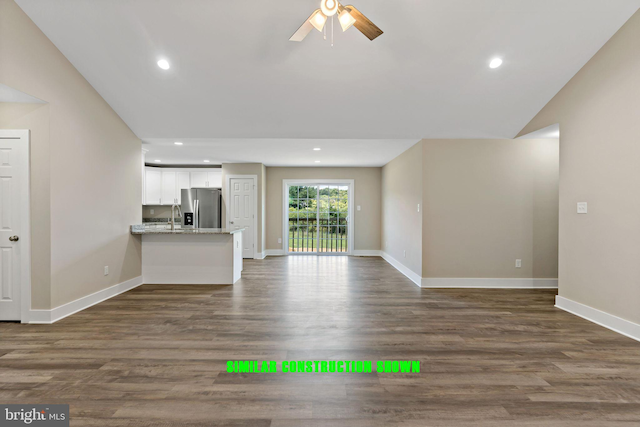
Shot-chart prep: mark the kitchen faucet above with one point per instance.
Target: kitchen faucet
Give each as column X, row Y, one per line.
column 173, row 218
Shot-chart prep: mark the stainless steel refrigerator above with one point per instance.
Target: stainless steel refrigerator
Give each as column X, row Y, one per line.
column 202, row 208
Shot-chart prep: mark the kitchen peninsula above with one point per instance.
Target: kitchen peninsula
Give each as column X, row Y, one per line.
column 201, row 256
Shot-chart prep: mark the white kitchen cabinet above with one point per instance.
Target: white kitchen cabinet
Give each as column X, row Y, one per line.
column 183, row 181
column 153, row 186
column 168, row 187
column 163, row 186
column 198, row 179
column 214, row 179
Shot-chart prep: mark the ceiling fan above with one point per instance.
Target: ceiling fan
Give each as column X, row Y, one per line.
column 347, row 16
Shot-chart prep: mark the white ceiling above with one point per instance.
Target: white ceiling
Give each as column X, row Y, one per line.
column 278, row 152
column 234, row 74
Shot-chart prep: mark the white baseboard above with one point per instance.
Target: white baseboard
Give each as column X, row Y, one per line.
column 488, row 283
column 51, row 316
column 366, row 253
column 606, row 320
column 39, row 317
column 413, row 276
column 274, row 252
column 260, row 255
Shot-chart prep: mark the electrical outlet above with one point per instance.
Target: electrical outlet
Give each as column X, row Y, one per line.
column 418, row 207
column 106, row 270
column 153, row 211
column 405, row 254
column 518, row 263
column 582, row 207
column 359, row 207
column 279, row 239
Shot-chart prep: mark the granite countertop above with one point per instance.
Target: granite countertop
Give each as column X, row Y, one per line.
column 140, row 229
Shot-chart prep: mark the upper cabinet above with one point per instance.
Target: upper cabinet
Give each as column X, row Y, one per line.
column 183, row 181
column 214, row 179
column 206, row 178
column 169, row 187
column 163, row 186
column 153, row 186
column 199, row 179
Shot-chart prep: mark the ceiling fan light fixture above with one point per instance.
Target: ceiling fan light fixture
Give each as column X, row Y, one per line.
column 329, row 7
column 318, row 20
column 347, row 15
column 346, row 20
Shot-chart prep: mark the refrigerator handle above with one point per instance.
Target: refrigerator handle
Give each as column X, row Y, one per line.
column 196, row 208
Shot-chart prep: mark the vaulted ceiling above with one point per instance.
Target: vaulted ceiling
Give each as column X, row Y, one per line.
column 234, row 74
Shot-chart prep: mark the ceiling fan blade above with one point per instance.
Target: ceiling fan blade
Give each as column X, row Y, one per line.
column 366, row 27
column 303, row 31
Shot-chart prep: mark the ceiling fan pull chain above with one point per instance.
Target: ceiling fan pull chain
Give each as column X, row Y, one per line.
column 332, row 31
column 324, row 30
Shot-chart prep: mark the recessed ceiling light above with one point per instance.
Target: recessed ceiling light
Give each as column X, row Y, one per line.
column 206, row 161
column 317, row 149
column 164, row 64
column 158, row 161
column 317, row 161
column 495, row 63
column 178, row 143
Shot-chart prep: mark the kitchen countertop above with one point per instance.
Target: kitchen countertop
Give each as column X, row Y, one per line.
column 140, row 229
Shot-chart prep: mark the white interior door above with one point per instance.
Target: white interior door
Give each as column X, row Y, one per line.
column 14, row 178
column 242, row 211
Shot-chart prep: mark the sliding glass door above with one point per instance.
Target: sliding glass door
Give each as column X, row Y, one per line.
column 317, row 217
column 303, row 218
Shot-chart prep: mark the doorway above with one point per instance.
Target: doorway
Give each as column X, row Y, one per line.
column 317, row 217
column 241, row 210
column 15, row 225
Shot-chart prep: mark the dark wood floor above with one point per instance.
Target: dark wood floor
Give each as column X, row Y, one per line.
column 156, row 355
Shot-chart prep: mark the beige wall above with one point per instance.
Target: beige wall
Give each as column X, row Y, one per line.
column 401, row 221
column 598, row 111
column 94, row 165
column 488, row 203
column 246, row 169
column 35, row 117
column 367, row 195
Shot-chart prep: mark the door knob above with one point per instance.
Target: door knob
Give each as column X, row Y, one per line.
column 230, row 222
column 14, row 238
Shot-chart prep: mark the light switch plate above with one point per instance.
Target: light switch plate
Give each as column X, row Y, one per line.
column 106, row 270
column 582, row 207
column 418, row 207
column 518, row 263
column 280, row 240
column 152, row 211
